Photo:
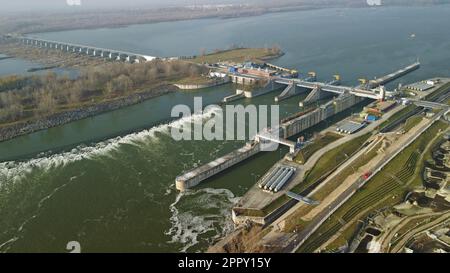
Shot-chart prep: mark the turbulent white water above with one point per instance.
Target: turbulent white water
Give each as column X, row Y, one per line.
column 214, row 206
column 212, row 213
column 17, row 170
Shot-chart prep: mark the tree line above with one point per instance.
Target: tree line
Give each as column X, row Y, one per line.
column 38, row 96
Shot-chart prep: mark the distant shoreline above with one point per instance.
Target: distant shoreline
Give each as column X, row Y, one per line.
column 9, row 132
column 95, row 19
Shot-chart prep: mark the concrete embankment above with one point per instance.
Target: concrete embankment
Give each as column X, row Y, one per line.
column 269, row 87
column 288, row 129
column 194, row 177
column 23, row 128
column 204, row 85
column 290, row 91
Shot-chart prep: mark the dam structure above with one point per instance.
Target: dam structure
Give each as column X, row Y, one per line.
column 194, row 177
column 110, row 54
column 347, row 97
column 370, row 90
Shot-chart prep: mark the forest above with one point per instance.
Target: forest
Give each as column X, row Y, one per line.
column 27, row 97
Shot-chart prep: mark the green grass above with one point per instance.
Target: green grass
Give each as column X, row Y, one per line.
column 339, row 178
column 193, row 80
column 397, row 116
column 443, row 89
column 250, row 212
column 318, row 144
column 404, row 166
column 345, row 237
column 411, row 122
column 330, row 160
column 236, row 55
column 325, row 164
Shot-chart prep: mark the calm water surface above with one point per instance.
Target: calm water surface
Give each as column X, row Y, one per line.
column 108, row 181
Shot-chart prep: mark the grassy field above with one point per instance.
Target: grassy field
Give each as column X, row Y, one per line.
column 250, row 212
column 295, row 219
column 324, row 165
column 442, row 90
column 193, row 80
column 330, row 160
column 337, row 180
column 393, row 181
column 318, row 144
column 238, row 55
column 397, row 116
column 411, row 122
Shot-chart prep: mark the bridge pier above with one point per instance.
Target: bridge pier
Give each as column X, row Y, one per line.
column 122, row 57
column 105, row 54
column 87, row 50
column 97, row 53
column 315, row 95
column 114, row 56
column 90, row 51
column 288, row 92
column 131, row 58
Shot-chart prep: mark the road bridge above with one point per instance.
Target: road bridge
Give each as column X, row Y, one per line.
column 375, row 90
column 276, row 139
column 303, row 199
column 111, row 54
column 430, row 104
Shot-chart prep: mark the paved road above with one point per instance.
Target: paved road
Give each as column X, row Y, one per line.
column 387, row 237
column 304, row 234
column 317, row 155
column 410, row 234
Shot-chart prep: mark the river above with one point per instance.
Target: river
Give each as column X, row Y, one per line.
column 108, row 181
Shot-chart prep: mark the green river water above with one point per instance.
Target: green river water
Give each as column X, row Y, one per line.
column 108, row 181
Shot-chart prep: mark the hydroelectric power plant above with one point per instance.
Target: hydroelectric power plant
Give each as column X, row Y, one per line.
column 347, row 97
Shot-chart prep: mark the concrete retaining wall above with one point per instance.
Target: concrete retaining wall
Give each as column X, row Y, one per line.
column 201, row 86
column 196, row 176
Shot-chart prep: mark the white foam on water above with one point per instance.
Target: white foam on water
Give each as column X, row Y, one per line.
column 18, row 170
column 188, row 225
column 6, row 245
column 41, row 203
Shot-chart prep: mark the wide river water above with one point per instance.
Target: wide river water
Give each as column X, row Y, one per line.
column 108, row 181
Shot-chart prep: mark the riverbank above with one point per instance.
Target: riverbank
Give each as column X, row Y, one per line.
column 116, row 18
column 30, row 126
column 48, row 57
column 239, row 55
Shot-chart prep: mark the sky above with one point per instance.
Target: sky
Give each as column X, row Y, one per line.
column 50, row 5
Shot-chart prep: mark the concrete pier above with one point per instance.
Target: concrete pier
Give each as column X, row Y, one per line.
column 331, row 108
column 197, row 175
column 288, row 92
column 287, row 129
column 369, row 91
column 347, row 97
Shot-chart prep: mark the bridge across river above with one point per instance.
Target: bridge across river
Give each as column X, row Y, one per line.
column 111, row 54
column 372, row 92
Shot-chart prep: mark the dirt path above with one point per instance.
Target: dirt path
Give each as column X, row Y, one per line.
column 399, row 246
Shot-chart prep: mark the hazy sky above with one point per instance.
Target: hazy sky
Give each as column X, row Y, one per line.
column 39, row 5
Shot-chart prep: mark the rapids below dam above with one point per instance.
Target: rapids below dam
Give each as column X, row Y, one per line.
column 108, row 181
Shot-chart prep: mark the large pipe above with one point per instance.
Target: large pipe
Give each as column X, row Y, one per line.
column 275, row 179
column 282, row 183
column 267, row 178
column 280, row 171
column 279, row 179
